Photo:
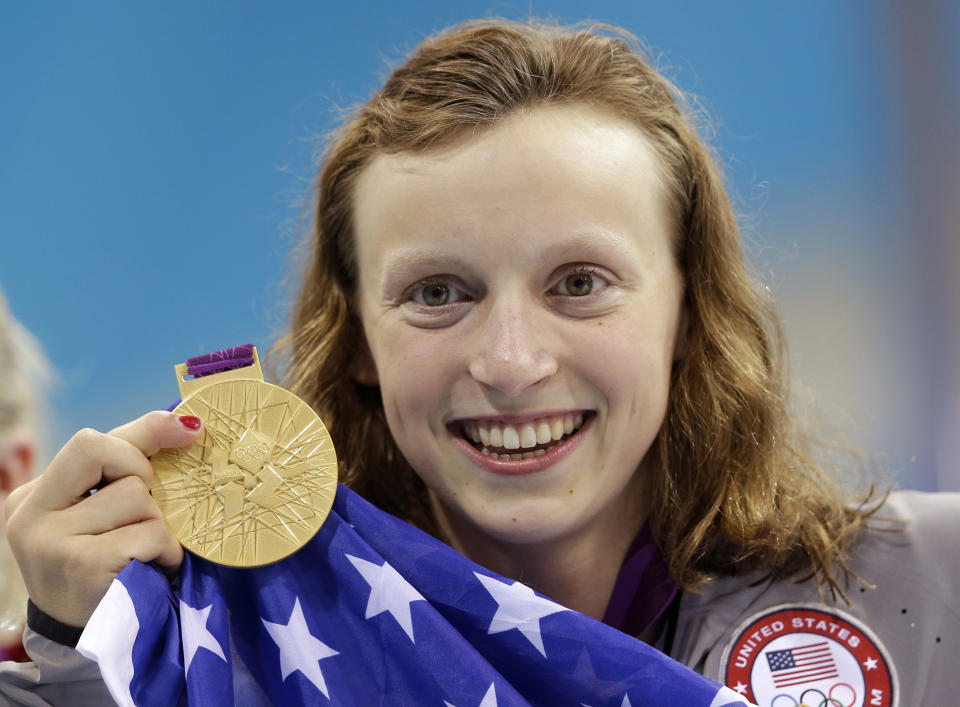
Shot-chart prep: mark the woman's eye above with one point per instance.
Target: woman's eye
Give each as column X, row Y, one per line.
column 436, row 293
column 578, row 284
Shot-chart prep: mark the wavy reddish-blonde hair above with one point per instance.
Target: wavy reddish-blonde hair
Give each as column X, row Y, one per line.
column 730, row 490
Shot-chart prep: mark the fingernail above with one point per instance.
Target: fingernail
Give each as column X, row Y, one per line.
column 190, row 422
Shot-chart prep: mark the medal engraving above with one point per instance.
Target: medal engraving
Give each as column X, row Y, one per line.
column 259, row 482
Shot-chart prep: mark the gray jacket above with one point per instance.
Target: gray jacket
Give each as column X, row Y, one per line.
column 895, row 644
column 777, row 641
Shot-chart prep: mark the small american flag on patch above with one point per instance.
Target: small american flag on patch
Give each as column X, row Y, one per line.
column 802, row 664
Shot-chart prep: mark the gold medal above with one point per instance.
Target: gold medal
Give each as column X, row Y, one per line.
column 259, row 482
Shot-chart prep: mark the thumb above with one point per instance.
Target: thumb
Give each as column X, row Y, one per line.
column 159, row 430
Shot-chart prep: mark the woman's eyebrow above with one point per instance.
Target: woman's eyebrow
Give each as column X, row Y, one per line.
column 419, row 258
column 400, row 267
column 599, row 240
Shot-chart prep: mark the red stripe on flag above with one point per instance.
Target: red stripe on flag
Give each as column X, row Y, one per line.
column 816, row 665
column 827, row 674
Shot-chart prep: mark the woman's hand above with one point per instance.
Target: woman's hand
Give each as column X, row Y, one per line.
column 70, row 544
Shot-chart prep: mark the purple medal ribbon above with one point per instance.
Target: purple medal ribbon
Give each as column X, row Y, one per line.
column 218, row 361
column 644, row 589
column 223, row 360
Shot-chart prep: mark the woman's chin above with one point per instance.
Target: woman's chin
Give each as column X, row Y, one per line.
column 527, row 522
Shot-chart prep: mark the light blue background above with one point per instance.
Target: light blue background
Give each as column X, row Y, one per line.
column 154, row 159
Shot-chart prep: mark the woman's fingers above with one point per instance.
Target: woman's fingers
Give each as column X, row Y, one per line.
column 71, row 544
column 72, row 577
column 158, row 430
column 88, row 460
column 147, row 541
column 92, row 458
column 122, row 502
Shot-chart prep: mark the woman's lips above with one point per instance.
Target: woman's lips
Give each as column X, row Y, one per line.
column 544, row 456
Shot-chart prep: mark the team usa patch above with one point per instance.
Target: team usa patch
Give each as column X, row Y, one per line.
column 800, row 655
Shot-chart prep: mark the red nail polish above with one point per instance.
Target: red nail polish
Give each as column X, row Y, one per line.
column 190, row 422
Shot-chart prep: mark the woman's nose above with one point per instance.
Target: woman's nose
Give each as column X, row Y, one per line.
column 513, row 356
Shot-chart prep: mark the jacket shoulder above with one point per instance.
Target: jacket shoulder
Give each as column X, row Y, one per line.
column 901, row 616
column 914, row 540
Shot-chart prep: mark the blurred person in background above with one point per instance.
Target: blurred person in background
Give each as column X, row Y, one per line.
column 23, row 373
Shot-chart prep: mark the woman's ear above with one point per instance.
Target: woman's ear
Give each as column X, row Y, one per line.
column 16, row 461
column 363, row 369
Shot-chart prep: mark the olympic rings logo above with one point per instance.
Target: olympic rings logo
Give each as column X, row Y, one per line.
column 252, row 452
column 828, row 700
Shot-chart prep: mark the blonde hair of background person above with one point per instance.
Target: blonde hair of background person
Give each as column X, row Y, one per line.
column 24, row 373
column 729, row 488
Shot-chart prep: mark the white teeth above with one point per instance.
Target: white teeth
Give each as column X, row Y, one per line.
column 556, row 429
column 528, row 437
column 543, row 433
column 525, row 436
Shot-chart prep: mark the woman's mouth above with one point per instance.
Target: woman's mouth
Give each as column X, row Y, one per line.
column 519, row 441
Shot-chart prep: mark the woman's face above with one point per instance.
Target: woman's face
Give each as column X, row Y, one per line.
column 521, row 301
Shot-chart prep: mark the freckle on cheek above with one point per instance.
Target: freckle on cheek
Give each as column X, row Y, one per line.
column 571, row 490
column 514, row 520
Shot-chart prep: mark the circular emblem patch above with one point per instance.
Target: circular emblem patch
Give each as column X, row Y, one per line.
column 801, row 655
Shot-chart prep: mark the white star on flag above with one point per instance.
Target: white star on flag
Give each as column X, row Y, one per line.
column 489, row 699
column 520, row 608
column 194, row 633
column 388, row 592
column 725, row 696
column 299, row 649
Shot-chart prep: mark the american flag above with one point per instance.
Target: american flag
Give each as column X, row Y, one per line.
column 372, row 611
column 802, row 664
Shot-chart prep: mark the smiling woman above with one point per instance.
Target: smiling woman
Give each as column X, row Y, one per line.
column 523, row 230
column 527, row 321
column 498, row 161
column 578, row 323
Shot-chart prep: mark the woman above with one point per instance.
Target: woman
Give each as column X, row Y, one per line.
column 527, row 321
